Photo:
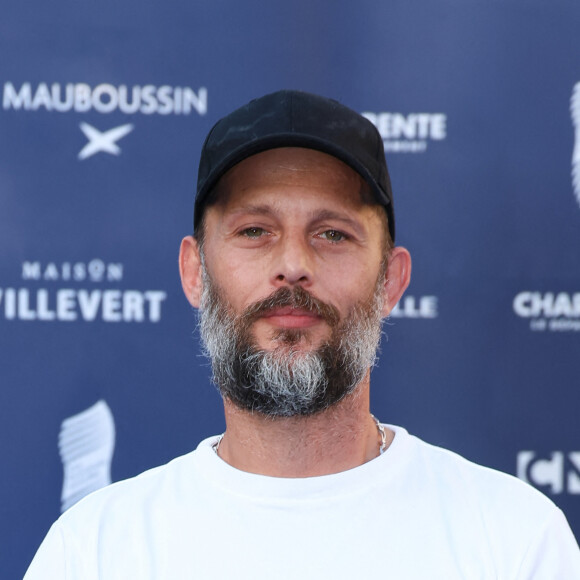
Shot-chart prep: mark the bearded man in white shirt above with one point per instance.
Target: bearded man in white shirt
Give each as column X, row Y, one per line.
column 293, row 267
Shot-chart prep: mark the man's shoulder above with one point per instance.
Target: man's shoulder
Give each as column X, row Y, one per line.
column 483, row 489
column 163, row 484
column 493, row 512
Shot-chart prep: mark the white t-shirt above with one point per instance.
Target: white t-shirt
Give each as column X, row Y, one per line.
column 415, row 512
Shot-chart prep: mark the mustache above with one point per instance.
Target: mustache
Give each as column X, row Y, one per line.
column 296, row 297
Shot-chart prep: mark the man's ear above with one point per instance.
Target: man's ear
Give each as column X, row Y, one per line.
column 397, row 278
column 190, row 270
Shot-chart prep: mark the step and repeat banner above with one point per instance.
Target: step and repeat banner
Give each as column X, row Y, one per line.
column 104, row 108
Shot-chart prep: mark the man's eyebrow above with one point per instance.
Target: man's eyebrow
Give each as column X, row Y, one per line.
column 253, row 209
column 328, row 214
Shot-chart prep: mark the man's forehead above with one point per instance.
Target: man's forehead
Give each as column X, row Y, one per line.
column 293, row 166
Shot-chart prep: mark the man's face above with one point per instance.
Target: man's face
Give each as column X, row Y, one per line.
column 288, row 218
column 294, row 282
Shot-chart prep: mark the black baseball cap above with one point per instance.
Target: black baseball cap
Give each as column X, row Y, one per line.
column 295, row 119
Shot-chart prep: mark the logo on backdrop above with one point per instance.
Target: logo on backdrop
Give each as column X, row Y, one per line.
column 409, row 133
column 104, row 99
column 558, row 472
column 575, row 110
column 86, row 443
column 549, row 311
column 105, row 141
column 51, row 292
column 416, row 307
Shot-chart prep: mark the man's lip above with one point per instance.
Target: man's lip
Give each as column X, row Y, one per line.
column 292, row 317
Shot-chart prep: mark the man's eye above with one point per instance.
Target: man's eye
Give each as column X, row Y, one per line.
column 333, row 235
column 253, row 232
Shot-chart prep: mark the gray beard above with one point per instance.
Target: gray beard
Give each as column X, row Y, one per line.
column 288, row 381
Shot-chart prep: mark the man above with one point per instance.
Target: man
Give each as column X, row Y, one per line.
column 293, row 268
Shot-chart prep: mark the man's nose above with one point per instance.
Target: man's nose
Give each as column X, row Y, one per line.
column 293, row 261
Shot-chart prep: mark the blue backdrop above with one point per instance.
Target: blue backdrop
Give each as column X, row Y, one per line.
column 104, row 110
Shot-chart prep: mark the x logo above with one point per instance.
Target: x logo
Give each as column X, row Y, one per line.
column 102, row 141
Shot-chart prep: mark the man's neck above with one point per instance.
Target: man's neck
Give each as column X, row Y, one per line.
column 334, row 440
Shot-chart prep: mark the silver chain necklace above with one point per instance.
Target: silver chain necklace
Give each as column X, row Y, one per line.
column 382, row 433
column 380, row 429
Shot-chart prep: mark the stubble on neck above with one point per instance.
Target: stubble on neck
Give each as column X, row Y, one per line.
column 339, row 438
